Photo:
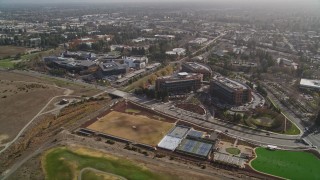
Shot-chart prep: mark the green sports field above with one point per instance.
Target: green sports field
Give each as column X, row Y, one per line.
column 287, row 164
column 64, row 163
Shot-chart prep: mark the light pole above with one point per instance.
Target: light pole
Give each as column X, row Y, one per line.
column 285, row 124
column 126, row 100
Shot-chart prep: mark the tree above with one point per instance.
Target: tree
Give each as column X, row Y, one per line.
column 236, row 117
column 152, row 79
column 261, row 90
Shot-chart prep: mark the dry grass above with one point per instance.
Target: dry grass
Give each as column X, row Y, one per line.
column 11, row 51
column 47, row 126
column 133, row 127
column 19, row 103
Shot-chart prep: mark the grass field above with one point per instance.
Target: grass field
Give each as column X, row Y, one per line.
column 233, row 151
column 133, row 127
column 287, row 164
column 65, row 163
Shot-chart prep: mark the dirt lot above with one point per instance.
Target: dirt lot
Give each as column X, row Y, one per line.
column 78, row 90
column 138, row 128
column 11, row 51
column 19, row 103
column 47, row 126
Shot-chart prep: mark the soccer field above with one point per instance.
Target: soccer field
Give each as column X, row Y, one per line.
column 287, row 164
column 137, row 128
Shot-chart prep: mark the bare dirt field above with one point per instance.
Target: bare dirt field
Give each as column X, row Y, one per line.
column 11, row 51
column 137, row 128
column 22, row 97
column 19, row 103
column 78, row 90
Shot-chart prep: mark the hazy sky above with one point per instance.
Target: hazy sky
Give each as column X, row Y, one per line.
column 101, row 1
column 277, row 3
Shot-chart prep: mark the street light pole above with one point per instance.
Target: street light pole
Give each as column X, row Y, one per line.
column 285, row 124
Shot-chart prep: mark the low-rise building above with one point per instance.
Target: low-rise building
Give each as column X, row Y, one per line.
column 230, row 91
column 195, row 67
column 311, row 84
column 112, row 68
column 137, row 62
column 198, row 41
column 180, row 83
column 287, row 63
column 177, row 51
column 70, row 64
column 164, row 36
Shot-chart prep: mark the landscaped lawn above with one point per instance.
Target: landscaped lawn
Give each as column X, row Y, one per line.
column 64, row 164
column 287, row 164
column 234, row 151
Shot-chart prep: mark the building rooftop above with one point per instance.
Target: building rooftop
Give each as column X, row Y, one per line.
column 231, row 83
column 179, row 131
column 310, row 83
column 181, row 76
column 110, row 66
column 85, row 63
column 169, row 142
column 130, row 75
column 198, row 66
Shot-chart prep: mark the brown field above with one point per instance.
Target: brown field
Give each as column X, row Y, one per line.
column 78, row 90
column 11, row 51
column 19, row 103
column 137, row 128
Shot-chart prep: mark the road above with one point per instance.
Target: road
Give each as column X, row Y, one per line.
column 241, row 132
column 202, row 48
column 289, row 44
column 256, row 136
column 313, row 137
